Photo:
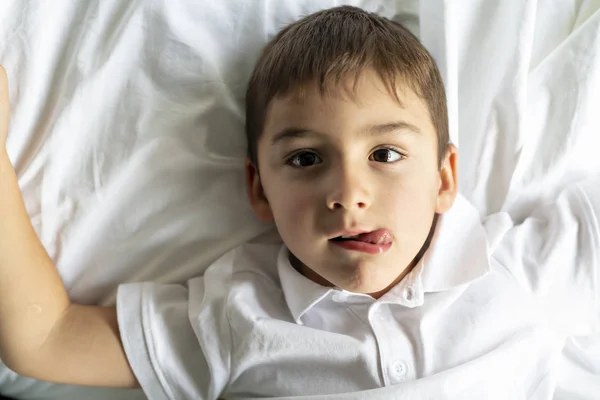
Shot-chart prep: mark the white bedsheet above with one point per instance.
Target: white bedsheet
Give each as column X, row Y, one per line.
column 127, row 129
column 525, row 86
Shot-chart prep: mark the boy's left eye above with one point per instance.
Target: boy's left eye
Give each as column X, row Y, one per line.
column 386, row 155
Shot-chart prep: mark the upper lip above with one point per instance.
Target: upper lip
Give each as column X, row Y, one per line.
column 350, row 232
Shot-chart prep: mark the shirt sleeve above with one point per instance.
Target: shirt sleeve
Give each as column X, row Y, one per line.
column 555, row 254
column 160, row 342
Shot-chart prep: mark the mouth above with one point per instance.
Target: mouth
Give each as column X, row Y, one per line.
column 374, row 242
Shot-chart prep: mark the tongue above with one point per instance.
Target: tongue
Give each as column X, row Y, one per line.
column 380, row 236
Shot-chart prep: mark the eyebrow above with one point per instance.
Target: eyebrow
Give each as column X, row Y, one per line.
column 296, row 133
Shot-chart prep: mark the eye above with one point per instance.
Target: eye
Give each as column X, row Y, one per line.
column 386, row 155
column 304, row 159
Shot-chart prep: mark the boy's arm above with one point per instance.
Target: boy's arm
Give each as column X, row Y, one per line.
column 42, row 334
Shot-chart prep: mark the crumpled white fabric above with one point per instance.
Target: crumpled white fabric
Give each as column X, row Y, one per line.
column 524, row 91
column 127, row 128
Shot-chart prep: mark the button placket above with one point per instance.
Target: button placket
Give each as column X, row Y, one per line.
column 375, row 320
column 395, row 348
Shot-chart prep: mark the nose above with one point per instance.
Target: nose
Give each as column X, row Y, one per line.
column 347, row 190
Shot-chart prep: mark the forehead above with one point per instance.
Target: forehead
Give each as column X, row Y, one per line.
column 346, row 107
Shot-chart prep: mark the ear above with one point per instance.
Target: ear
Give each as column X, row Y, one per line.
column 448, row 180
column 256, row 193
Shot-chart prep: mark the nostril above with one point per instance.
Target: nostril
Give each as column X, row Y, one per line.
column 337, row 206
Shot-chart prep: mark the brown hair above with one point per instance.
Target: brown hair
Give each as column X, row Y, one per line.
column 329, row 45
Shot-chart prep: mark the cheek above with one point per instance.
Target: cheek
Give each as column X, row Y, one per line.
column 411, row 202
column 294, row 212
column 292, row 204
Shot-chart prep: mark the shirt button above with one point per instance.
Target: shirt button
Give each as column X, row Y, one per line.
column 338, row 297
column 380, row 315
column 399, row 370
column 409, row 293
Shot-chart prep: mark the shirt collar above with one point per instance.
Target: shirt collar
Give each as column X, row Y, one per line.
column 459, row 251
column 458, row 254
column 300, row 293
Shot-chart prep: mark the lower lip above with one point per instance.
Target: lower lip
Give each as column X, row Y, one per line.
column 364, row 247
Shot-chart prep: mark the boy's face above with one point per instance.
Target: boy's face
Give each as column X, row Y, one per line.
column 334, row 166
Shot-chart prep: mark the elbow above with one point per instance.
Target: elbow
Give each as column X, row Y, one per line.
column 19, row 361
column 33, row 365
column 26, row 353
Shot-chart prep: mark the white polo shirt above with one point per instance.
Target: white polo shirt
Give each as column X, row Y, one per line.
column 484, row 315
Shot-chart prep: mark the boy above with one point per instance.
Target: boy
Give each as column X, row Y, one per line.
column 387, row 279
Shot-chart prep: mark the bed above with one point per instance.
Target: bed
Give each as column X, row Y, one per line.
column 127, row 130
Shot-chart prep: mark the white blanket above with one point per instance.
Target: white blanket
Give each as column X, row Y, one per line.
column 127, row 128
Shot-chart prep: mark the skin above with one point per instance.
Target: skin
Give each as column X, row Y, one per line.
column 340, row 171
